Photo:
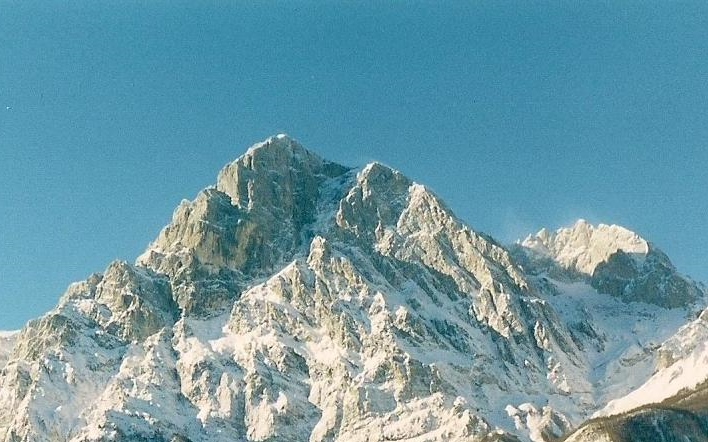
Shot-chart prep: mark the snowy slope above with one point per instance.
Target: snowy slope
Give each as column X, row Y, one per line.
column 683, row 365
column 302, row 300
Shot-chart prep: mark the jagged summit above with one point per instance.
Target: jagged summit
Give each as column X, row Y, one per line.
column 284, row 144
column 614, row 260
column 278, row 169
column 583, row 246
column 302, row 300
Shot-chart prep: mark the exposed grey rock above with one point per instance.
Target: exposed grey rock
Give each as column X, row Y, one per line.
column 652, row 279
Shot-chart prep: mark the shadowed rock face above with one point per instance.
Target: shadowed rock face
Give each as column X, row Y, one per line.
column 301, row 300
column 648, row 425
column 677, row 419
column 650, row 278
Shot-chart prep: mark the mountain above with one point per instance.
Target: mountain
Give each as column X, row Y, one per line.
column 617, row 261
column 302, row 300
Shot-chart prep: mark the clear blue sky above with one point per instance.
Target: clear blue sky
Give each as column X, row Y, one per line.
column 519, row 114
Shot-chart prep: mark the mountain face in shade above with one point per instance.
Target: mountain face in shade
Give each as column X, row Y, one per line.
column 302, row 300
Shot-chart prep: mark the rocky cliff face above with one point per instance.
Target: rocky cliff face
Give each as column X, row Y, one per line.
column 302, row 300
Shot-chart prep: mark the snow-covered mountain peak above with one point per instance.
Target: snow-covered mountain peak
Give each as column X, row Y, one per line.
column 378, row 178
column 265, row 208
column 283, row 142
column 301, row 300
column 583, row 246
column 278, row 168
column 614, row 260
